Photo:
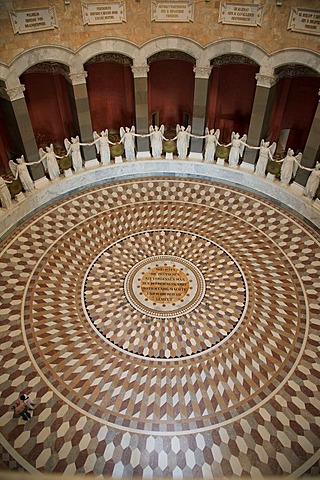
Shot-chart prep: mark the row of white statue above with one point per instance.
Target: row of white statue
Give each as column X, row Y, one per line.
column 290, row 163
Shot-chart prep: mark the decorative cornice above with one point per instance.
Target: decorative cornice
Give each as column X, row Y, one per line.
column 52, row 68
column 171, row 55
column 289, row 71
column 140, row 70
column 202, row 72
column 232, row 58
column 78, row 78
column 111, row 58
column 265, row 80
column 15, row 93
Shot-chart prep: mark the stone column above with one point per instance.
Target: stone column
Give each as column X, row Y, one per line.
column 202, row 75
column 80, row 93
column 311, row 152
column 24, row 128
column 260, row 117
column 140, row 75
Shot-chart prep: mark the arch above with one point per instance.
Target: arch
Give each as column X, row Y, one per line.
column 171, row 42
column 103, row 45
column 300, row 56
column 32, row 57
column 232, row 46
column 3, row 71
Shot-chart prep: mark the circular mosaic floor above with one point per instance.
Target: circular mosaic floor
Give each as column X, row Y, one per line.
column 163, row 311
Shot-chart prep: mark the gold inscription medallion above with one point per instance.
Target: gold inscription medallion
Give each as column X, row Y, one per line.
column 165, row 284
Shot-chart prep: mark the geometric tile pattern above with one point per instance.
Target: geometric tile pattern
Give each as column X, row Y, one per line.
column 229, row 388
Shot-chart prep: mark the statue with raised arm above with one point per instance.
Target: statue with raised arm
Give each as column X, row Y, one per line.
column 266, row 152
column 127, row 138
column 289, row 166
column 237, row 148
column 49, row 161
column 20, row 170
column 156, row 136
column 313, row 182
column 183, row 140
column 101, row 143
column 73, row 148
column 211, row 142
column 5, row 195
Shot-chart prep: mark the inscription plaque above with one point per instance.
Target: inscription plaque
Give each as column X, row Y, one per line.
column 33, row 19
column 240, row 14
column 172, row 11
column 165, row 284
column 103, row 13
column 305, row 21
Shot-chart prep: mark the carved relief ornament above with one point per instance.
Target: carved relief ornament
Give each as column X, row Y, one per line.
column 202, row 72
column 15, row 93
column 265, row 80
column 78, row 78
column 140, row 70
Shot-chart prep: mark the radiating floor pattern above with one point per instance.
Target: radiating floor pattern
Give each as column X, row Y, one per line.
column 166, row 327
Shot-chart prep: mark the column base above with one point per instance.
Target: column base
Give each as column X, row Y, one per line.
column 271, row 176
column 296, row 187
column 91, row 163
column 143, row 154
column 20, row 197
column 247, row 166
column 220, row 161
column 68, row 173
column 41, row 183
column 195, row 156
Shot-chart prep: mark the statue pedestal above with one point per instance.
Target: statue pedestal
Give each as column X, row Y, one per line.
column 68, row 173
column 143, row 154
column 92, row 163
column 169, row 156
column 41, row 183
column 220, row 161
column 296, row 187
column 271, row 176
column 118, row 159
column 247, row 166
column 20, row 197
column 195, row 156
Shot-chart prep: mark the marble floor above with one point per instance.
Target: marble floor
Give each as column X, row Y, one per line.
column 165, row 327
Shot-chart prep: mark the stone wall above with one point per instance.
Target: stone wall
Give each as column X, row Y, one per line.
column 272, row 35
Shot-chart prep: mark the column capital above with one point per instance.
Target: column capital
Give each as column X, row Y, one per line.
column 202, row 72
column 78, row 78
column 265, row 80
column 140, row 70
column 15, row 93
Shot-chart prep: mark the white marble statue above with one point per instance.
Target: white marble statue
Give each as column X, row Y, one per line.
column 20, row 170
column 156, row 136
column 289, row 166
column 313, row 182
column 183, row 140
column 5, row 196
column 101, row 143
column 237, row 148
column 49, row 160
column 211, row 142
column 73, row 147
column 265, row 154
column 127, row 138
